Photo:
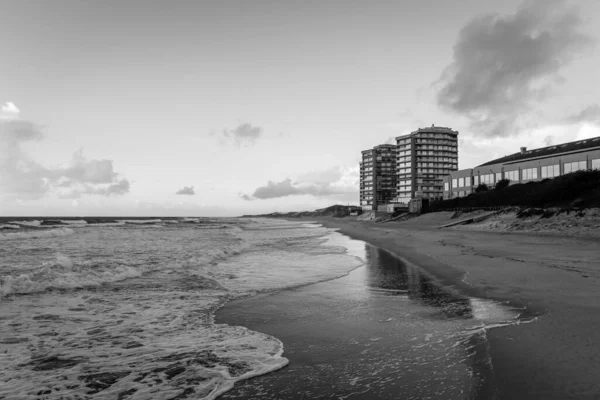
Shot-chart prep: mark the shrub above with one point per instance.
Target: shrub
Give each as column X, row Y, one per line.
column 502, row 183
column 481, row 188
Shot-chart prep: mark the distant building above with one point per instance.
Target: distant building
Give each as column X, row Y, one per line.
column 526, row 166
column 378, row 176
column 424, row 158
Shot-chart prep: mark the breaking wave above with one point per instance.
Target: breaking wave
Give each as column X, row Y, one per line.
column 36, row 233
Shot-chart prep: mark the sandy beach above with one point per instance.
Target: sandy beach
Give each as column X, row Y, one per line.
column 556, row 278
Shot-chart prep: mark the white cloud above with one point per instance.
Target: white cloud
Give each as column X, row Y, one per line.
column 244, row 134
column 186, row 190
column 336, row 183
column 9, row 110
column 23, row 178
column 503, row 65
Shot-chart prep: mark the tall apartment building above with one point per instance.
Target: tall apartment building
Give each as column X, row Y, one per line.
column 424, row 157
column 378, row 176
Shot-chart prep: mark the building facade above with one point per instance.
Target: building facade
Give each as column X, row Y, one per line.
column 378, row 176
column 526, row 166
column 424, row 158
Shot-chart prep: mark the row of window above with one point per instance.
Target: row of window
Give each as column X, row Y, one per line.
column 575, row 166
column 512, row 175
column 529, row 174
column 436, row 146
column 548, row 171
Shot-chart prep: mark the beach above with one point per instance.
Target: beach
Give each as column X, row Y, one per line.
column 553, row 279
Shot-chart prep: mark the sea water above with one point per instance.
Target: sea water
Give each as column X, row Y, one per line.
column 123, row 309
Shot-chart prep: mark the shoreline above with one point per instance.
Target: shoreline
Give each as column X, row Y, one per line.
column 312, row 322
column 553, row 277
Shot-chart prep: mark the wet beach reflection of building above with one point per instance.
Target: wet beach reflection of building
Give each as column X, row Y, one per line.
column 388, row 275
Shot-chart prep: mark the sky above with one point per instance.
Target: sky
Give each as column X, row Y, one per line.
column 223, row 108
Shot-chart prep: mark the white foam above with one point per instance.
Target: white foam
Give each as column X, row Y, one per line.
column 141, row 221
column 28, row 223
column 36, row 234
column 73, row 221
column 9, row 226
column 63, row 274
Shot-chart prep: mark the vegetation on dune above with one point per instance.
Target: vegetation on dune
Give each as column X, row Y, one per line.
column 578, row 189
column 331, row 211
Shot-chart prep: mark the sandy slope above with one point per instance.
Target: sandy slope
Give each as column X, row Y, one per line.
column 549, row 222
column 558, row 276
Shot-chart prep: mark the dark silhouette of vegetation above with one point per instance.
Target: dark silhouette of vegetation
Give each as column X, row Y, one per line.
column 502, row 183
column 481, row 188
column 578, row 189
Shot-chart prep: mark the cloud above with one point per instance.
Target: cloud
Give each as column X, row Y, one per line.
column 85, row 171
column 118, row 188
column 244, row 134
column 186, row 190
column 336, row 182
column 589, row 114
column 8, row 110
column 503, row 64
column 275, row 189
column 23, row 178
column 245, row 197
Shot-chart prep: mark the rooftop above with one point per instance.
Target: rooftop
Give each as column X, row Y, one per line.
column 431, row 129
column 547, row 151
column 434, row 128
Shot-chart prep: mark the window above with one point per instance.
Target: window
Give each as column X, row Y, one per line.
column 596, row 163
column 454, row 183
column 529, row 174
column 575, row 166
column 447, row 185
column 512, row 176
column 498, row 176
column 550, row 171
column 461, row 182
column 488, row 179
column 476, row 180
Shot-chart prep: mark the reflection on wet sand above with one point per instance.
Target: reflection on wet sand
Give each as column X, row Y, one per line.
column 390, row 275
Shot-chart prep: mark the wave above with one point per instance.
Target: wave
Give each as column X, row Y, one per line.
column 32, row 223
column 141, row 221
column 62, row 273
column 73, row 221
column 9, row 226
column 36, row 233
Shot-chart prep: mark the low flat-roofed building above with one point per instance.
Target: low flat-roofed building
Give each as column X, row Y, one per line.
column 525, row 166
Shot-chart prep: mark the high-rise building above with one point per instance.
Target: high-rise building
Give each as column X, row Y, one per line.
column 424, row 157
column 378, row 176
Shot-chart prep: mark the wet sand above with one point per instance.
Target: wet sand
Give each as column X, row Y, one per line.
column 384, row 331
column 556, row 278
column 557, row 357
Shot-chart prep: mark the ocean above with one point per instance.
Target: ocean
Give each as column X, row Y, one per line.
column 116, row 308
